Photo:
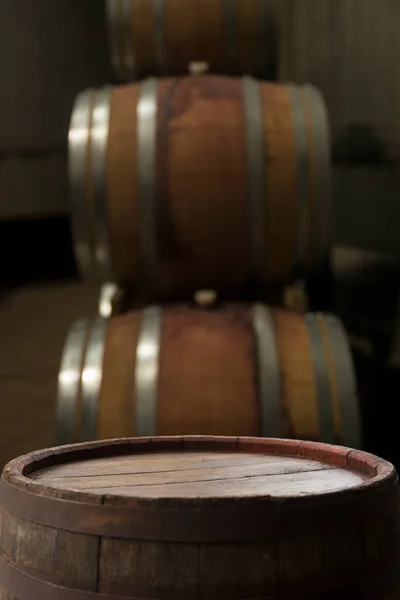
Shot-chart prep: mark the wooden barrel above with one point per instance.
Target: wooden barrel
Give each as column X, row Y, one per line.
column 208, row 517
column 236, row 370
column 157, row 37
column 199, row 183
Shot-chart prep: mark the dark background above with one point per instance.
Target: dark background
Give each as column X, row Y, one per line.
column 52, row 49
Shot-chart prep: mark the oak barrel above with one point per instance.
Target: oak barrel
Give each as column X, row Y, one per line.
column 209, row 517
column 156, row 37
column 199, row 183
column 233, row 370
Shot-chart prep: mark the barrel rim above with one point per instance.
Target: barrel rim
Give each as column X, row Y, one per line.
column 261, row 518
column 378, row 469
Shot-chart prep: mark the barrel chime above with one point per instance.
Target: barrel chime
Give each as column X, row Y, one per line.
column 182, row 182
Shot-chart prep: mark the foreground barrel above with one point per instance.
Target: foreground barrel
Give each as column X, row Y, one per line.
column 193, row 183
column 238, row 370
column 150, row 37
column 197, row 518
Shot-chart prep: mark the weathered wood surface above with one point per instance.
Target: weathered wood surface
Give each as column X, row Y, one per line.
column 199, row 517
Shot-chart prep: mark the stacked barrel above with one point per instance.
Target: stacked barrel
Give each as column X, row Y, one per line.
column 201, row 173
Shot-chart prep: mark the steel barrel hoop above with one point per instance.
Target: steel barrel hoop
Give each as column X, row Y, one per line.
column 322, row 382
column 350, row 417
column 78, row 167
column 147, row 372
column 146, row 161
column 92, row 375
column 322, row 191
column 256, row 178
column 99, row 140
column 69, row 381
column 302, row 248
column 268, row 372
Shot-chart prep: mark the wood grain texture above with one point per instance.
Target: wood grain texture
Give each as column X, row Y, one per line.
column 208, row 379
column 203, row 35
column 343, row 543
column 201, row 154
column 348, row 49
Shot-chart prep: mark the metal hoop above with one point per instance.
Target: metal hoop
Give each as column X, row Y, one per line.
column 69, row 382
column 147, row 370
column 92, row 374
column 269, row 383
column 78, row 140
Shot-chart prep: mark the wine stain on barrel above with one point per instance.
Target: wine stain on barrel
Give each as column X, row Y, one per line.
column 171, row 249
column 175, row 98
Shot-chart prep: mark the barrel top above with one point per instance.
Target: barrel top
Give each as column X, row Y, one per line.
column 206, row 474
column 198, row 467
column 199, row 488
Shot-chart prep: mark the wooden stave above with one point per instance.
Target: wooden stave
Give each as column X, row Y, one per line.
column 98, row 235
column 130, row 61
column 41, row 507
column 123, row 403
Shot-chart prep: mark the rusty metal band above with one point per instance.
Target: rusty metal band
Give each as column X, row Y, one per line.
column 147, row 371
column 159, row 34
column 268, row 372
column 146, row 157
column 99, row 139
column 229, row 8
column 321, row 158
column 23, row 586
column 322, row 383
column 350, row 418
column 257, row 198
column 107, row 294
column 267, row 521
column 302, row 249
column 78, row 141
column 92, row 374
column 113, row 12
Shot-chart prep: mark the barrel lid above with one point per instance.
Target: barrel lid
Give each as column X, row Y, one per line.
column 181, row 487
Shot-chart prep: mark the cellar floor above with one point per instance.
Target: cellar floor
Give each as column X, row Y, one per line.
column 34, row 322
